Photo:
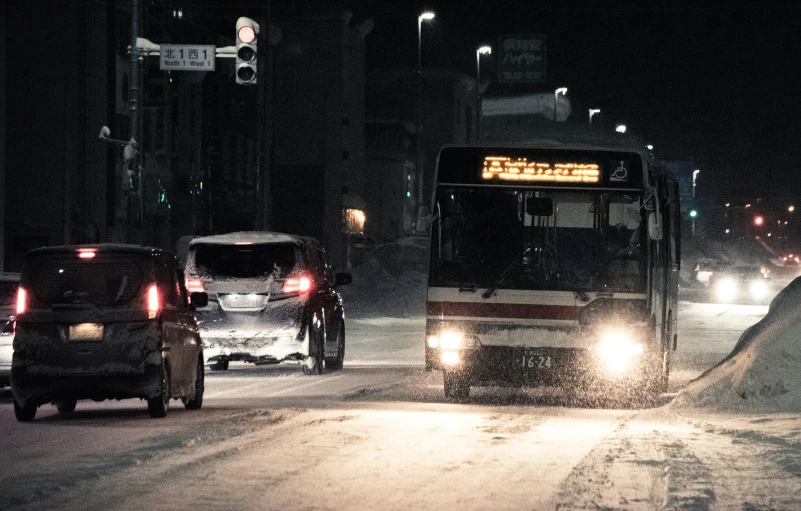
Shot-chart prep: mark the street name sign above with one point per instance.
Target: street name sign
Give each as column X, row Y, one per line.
column 521, row 58
column 187, row 57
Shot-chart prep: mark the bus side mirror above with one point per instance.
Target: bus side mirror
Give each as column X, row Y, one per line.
column 655, row 225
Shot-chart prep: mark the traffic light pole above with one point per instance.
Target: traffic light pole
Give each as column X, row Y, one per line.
column 266, row 115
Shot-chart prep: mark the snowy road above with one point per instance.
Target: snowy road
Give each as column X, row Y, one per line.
column 379, row 434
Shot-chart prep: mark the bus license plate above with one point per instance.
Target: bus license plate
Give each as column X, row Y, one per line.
column 534, row 361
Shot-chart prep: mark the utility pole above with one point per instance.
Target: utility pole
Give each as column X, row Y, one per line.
column 135, row 106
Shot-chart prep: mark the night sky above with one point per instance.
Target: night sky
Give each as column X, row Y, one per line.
column 717, row 85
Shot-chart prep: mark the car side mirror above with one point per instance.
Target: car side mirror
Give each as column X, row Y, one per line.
column 341, row 279
column 199, row 299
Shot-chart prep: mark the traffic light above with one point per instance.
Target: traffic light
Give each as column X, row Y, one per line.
column 693, row 213
column 247, row 39
column 759, row 220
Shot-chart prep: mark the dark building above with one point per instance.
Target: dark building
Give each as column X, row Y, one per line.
column 198, row 144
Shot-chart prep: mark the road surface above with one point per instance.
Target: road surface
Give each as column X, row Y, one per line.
column 380, row 435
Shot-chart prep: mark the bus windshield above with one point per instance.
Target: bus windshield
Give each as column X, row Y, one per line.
column 574, row 240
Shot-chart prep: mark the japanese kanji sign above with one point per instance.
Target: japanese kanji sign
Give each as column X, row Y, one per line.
column 521, row 58
column 187, row 57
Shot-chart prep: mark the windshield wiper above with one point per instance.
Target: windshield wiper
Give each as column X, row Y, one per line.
column 491, row 290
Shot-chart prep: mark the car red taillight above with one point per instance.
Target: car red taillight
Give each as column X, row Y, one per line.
column 153, row 301
column 302, row 284
column 22, row 300
column 195, row 286
column 87, row 253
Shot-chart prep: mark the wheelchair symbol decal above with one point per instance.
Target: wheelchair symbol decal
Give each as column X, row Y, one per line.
column 621, row 171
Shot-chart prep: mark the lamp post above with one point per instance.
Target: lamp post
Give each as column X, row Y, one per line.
column 562, row 91
column 695, row 175
column 594, row 111
column 483, row 50
column 426, row 16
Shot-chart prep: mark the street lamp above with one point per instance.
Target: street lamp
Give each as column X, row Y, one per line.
column 426, row 16
column 594, row 111
column 483, row 50
column 620, row 128
column 562, row 91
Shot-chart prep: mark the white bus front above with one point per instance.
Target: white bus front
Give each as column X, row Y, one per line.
column 540, row 282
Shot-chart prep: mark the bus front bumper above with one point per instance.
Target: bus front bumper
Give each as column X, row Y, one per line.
column 527, row 366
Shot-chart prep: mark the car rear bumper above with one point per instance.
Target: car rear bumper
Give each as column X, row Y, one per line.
column 42, row 385
column 259, row 350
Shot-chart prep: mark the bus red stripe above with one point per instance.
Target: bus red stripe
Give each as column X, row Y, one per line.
column 503, row 310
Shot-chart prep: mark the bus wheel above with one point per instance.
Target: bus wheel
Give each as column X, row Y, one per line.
column 457, row 385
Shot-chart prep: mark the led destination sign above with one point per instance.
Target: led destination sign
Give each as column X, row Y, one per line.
column 521, row 169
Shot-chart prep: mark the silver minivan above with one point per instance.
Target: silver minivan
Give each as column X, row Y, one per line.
column 272, row 299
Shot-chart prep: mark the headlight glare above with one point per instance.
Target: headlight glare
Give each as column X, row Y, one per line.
column 617, row 348
column 433, row 341
column 450, row 358
column 727, row 289
column 758, row 289
column 451, row 340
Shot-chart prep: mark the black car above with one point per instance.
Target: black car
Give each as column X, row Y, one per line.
column 272, row 298
column 105, row 322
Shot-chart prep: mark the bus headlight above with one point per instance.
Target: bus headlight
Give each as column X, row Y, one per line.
column 450, row 358
column 617, row 349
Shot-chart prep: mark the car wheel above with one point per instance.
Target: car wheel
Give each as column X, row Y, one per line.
column 66, row 405
column 315, row 356
column 335, row 364
column 197, row 401
column 25, row 413
column 158, row 406
column 221, row 365
column 457, row 385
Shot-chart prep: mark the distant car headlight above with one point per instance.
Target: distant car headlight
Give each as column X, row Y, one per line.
column 726, row 289
column 758, row 288
column 616, row 349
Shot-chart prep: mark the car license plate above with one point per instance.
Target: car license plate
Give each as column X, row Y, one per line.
column 533, row 361
column 86, row 332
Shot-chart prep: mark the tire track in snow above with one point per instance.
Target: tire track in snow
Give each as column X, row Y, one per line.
column 626, row 470
column 76, row 477
column 642, row 465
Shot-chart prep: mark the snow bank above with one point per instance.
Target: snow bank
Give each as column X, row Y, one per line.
column 763, row 372
column 391, row 283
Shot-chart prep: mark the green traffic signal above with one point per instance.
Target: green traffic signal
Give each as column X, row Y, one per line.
column 693, row 213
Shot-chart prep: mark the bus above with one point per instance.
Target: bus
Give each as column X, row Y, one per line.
column 553, row 264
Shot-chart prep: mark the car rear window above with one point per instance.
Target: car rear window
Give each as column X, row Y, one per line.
column 245, row 261
column 103, row 281
column 8, row 293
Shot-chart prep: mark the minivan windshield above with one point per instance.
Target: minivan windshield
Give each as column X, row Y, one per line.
column 219, row 261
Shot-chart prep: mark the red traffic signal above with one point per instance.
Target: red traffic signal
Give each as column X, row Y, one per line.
column 247, row 32
column 759, row 221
